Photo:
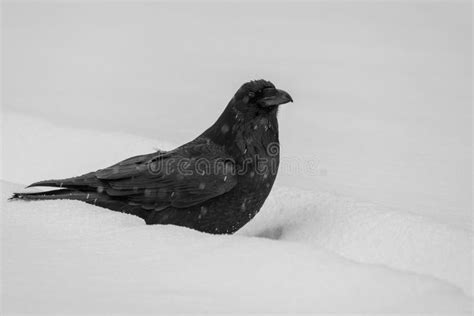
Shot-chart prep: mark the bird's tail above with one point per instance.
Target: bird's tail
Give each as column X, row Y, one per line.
column 82, row 188
column 90, row 197
column 61, row 194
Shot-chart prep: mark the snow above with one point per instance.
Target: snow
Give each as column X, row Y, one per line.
column 304, row 252
column 372, row 208
column 368, row 233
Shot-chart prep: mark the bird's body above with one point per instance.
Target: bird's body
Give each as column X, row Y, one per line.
column 215, row 183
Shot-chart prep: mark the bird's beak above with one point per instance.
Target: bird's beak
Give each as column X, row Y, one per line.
column 274, row 97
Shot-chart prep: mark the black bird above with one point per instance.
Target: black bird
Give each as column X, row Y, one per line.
column 215, row 183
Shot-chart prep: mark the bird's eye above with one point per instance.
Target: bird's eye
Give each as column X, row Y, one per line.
column 251, row 94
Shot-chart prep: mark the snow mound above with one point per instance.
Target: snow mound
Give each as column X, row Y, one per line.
column 367, row 233
column 67, row 255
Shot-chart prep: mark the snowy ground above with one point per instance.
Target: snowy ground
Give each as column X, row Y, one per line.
column 305, row 251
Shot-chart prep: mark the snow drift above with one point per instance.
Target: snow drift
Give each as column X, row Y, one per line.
column 304, row 252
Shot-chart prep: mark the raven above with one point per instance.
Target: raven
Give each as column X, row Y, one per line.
column 215, row 183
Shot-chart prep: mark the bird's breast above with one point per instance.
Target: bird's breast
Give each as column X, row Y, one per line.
column 259, row 150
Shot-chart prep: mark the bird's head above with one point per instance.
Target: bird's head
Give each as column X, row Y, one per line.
column 254, row 104
column 259, row 97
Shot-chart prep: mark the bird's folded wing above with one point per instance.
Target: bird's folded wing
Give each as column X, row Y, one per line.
column 181, row 178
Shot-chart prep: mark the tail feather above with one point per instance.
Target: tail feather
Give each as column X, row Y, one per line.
column 47, row 183
column 86, row 180
column 60, row 194
column 90, row 197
